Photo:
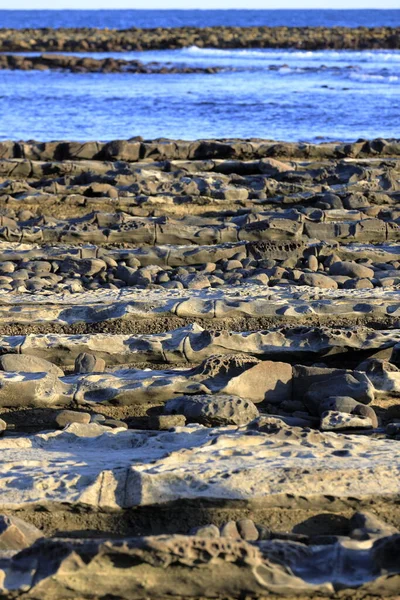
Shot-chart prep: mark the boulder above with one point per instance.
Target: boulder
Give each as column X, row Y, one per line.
column 89, row 363
column 318, row 280
column 213, row 410
column 356, row 386
column 267, row 381
column 333, row 420
column 351, row 269
column 24, row 363
column 66, row 417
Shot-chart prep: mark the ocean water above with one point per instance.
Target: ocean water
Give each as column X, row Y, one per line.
column 275, row 94
column 123, row 19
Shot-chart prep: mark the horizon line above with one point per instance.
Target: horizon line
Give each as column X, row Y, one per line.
column 198, row 9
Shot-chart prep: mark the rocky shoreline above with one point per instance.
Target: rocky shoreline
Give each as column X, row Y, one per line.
column 76, row 64
column 199, row 369
column 106, row 40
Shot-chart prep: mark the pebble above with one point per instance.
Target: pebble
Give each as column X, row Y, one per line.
column 230, row 530
column 247, row 529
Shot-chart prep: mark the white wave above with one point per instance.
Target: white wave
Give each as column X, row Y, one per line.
column 373, row 77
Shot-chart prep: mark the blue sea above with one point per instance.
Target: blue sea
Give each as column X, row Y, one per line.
column 276, row 94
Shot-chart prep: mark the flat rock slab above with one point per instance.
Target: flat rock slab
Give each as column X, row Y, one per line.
column 298, row 303
column 179, row 566
column 110, row 469
column 194, row 343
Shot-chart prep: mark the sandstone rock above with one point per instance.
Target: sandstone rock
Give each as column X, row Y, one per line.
column 345, row 404
column 230, row 530
column 351, row 269
column 365, row 525
column 213, row 410
column 318, row 280
column 66, row 417
column 114, row 423
column 206, row 531
column 165, row 422
column 14, row 363
column 16, row 534
column 33, row 390
column 89, row 363
column 332, row 421
column 356, row 386
column 269, row 381
column 312, row 262
column 384, row 375
column 247, row 530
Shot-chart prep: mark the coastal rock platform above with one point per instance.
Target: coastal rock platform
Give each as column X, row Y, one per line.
column 199, row 369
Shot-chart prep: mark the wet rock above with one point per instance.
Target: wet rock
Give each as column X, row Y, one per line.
column 393, row 429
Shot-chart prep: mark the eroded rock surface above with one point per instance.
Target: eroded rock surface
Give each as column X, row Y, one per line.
column 199, row 382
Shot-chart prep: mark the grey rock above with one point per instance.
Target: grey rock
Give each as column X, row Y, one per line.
column 393, row 429
column 333, row 420
column 343, row 404
column 365, row 525
column 356, row 385
column 89, row 363
column 213, row 410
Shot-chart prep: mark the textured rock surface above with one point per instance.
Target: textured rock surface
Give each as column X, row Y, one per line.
column 249, row 286
column 213, row 410
column 221, row 37
column 90, row 464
